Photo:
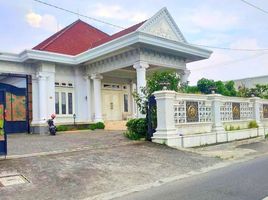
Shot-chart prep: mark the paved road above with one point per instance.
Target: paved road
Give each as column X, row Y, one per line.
column 244, row 181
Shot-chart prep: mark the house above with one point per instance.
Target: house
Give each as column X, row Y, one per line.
column 83, row 71
column 251, row 82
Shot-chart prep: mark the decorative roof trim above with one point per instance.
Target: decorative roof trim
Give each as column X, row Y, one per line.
column 160, row 14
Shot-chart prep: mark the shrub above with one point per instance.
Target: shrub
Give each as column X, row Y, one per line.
column 100, row 125
column 253, row 124
column 136, row 129
column 232, row 128
column 92, row 127
column 131, row 135
column 138, row 126
column 62, row 128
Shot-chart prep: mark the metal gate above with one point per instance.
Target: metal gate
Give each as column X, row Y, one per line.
column 3, row 136
column 151, row 117
column 16, row 118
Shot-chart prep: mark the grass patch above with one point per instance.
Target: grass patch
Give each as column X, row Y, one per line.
column 99, row 125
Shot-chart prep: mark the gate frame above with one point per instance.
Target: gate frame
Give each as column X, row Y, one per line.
column 5, row 134
column 26, row 77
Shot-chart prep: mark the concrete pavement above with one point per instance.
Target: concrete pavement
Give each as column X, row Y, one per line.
column 106, row 164
column 243, row 181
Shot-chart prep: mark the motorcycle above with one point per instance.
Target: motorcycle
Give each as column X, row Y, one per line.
column 51, row 126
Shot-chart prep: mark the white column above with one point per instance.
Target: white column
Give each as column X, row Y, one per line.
column 134, row 106
column 256, row 114
column 35, row 99
column 184, row 76
column 141, row 79
column 42, row 95
column 166, row 130
column 217, row 126
column 88, row 98
column 141, row 74
column 97, row 97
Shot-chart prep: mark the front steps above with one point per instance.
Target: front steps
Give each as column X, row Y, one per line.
column 115, row 125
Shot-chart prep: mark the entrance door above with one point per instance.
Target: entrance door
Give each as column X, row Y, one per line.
column 111, row 105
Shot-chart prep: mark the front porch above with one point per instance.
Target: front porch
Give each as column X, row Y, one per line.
column 113, row 80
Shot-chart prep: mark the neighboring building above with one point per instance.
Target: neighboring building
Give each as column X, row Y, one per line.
column 251, row 82
column 83, row 71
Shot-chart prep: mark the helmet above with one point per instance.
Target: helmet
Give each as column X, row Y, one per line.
column 53, row 116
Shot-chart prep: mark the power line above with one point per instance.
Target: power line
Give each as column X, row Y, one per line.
column 232, row 49
column 254, row 6
column 120, row 27
column 76, row 13
column 230, row 62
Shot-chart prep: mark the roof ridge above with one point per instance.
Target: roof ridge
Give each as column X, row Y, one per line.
column 119, row 32
column 62, row 31
column 57, row 34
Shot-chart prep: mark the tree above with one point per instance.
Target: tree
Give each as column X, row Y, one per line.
column 156, row 82
column 205, row 85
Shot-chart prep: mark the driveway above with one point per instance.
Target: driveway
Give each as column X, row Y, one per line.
column 106, row 164
column 33, row 144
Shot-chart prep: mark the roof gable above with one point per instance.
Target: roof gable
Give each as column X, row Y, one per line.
column 118, row 34
column 163, row 25
column 73, row 39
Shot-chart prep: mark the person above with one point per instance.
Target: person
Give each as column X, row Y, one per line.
column 52, row 127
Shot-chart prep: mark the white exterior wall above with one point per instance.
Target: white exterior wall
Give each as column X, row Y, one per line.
column 81, row 105
column 251, row 82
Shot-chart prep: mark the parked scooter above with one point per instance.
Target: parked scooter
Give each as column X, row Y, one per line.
column 52, row 127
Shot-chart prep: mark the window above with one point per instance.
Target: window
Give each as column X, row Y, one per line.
column 70, row 103
column 64, row 102
column 57, row 103
column 111, row 86
column 125, row 103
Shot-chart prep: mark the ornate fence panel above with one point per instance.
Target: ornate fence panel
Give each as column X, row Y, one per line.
column 231, row 111
column 191, row 110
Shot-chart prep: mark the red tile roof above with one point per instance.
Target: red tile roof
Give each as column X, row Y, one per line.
column 118, row 34
column 73, row 39
column 79, row 37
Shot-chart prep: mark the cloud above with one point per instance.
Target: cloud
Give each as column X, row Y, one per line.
column 33, row 19
column 46, row 21
column 245, row 43
column 118, row 13
column 209, row 19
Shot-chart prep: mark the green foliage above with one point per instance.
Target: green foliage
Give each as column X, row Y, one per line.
column 100, row 125
column 190, row 89
column 205, row 86
column 72, row 127
column 62, row 128
column 155, row 83
column 258, row 91
column 138, row 126
column 136, row 129
column 253, row 124
column 92, row 127
column 232, row 128
column 131, row 135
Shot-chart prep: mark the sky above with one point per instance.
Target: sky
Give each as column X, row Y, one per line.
column 221, row 23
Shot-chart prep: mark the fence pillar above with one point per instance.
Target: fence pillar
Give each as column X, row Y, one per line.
column 166, row 130
column 217, row 126
column 257, row 114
